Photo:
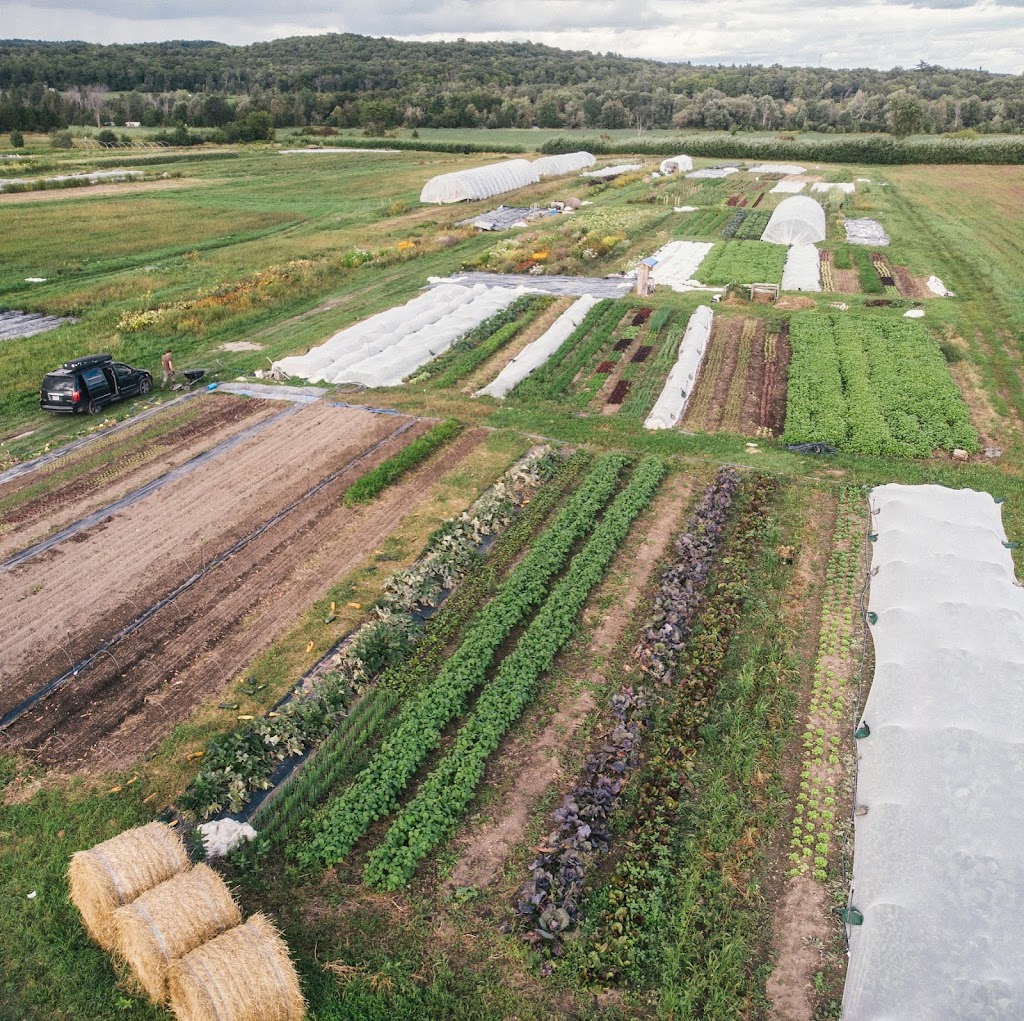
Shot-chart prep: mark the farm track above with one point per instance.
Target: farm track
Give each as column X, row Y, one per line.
column 61, row 606
column 66, row 501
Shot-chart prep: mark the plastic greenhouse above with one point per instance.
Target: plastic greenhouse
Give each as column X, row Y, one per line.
column 798, row 220
column 480, row 182
column 676, row 163
column 565, row 163
column 938, row 869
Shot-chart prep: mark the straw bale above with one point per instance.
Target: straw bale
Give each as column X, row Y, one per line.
column 115, row 872
column 243, row 974
column 165, row 923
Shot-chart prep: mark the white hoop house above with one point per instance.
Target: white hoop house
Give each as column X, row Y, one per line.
column 798, row 220
column 676, row 163
column 564, row 163
column 479, row 182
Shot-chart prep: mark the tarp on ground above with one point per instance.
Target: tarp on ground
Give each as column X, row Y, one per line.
column 865, row 231
column 847, row 187
column 678, row 261
column 387, row 347
column 564, row 163
column 671, row 404
column 713, row 172
column 674, row 164
column 776, row 168
column 535, row 354
column 938, row 868
column 798, row 220
column 802, row 271
column 785, row 187
column 616, row 171
column 479, row 182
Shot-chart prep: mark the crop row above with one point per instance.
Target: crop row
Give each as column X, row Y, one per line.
column 873, row 386
column 428, row 711
column 555, row 376
column 624, row 937
column 738, row 384
column 445, row 793
column 753, row 225
column 364, row 489
column 743, row 262
column 242, row 760
column 649, row 377
column 550, row 901
column 705, row 223
column 342, row 751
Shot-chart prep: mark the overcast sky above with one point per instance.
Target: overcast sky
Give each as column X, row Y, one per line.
column 844, row 33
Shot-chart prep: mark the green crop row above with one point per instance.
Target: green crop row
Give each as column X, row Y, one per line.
column 342, row 751
column 444, row 795
column 705, row 223
column 870, row 283
column 743, row 262
column 872, row 386
column 753, row 225
column 378, row 787
column 374, row 482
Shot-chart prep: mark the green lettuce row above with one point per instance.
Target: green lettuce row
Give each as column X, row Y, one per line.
column 376, row 791
column 443, row 796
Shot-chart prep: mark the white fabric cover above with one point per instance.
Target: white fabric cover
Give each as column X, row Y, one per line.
column 798, row 220
column 669, row 407
column 936, row 286
column 789, row 187
column 617, row 171
column 846, row 187
column 535, row 354
column 938, row 871
column 678, row 261
column 387, row 347
column 224, row 835
column 776, row 168
column 564, row 163
column 865, row 231
column 676, row 163
column 714, row 172
column 802, row 271
column 479, row 182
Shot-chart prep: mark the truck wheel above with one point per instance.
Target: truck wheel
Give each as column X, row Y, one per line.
column 93, row 408
column 145, row 385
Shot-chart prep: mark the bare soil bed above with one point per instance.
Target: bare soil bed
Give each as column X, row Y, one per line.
column 101, row 473
column 62, row 605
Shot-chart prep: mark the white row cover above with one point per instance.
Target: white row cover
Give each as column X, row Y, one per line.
column 848, row 187
column 534, row 355
column 618, row 171
column 564, row 163
column 798, row 220
column 669, row 407
column 678, row 262
column 938, row 869
column 802, row 271
column 387, row 347
column 676, row 163
column 776, row 168
column 480, row 182
column 865, row 231
column 714, row 172
column 936, row 286
column 789, row 187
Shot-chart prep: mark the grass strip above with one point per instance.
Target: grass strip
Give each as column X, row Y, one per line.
column 374, row 482
column 377, row 789
column 444, row 795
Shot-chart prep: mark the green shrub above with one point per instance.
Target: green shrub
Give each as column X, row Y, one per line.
column 61, row 140
column 17, row 140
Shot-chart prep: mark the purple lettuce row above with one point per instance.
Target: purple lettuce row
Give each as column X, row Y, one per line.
column 550, row 900
column 662, row 640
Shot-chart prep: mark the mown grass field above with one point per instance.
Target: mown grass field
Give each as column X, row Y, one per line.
column 283, row 251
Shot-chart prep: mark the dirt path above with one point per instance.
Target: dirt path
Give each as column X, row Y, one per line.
column 194, row 648
column 60, row 605
column 68, row 492
column 487, row 372
column 483, row 850
column 94, row 191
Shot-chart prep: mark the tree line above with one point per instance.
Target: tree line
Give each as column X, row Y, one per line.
column 377, row 84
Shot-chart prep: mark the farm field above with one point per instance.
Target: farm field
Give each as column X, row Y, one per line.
column 549, row 716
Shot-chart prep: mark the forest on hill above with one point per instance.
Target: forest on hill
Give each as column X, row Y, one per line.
column 351, row 81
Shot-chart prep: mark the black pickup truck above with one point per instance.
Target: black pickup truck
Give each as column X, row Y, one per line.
column 91, row 383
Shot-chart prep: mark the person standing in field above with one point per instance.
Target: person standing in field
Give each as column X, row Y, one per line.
column 168, row 367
